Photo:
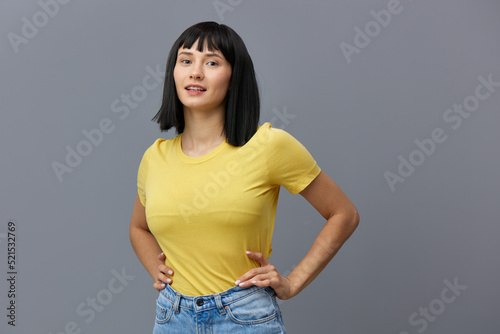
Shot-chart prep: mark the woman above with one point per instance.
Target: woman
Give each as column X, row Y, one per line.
column 207, row 199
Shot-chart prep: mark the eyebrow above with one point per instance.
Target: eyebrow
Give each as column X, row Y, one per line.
column 206, row 55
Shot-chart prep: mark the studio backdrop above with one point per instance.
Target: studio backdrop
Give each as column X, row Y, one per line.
column 397, row 100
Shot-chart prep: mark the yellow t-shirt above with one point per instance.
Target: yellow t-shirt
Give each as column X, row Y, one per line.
column 205, row 212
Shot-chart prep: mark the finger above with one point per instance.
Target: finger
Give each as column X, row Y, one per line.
column 259, row 257
column 262, row 279
column 159, row 285
column 166, row 270
column 266, row 282
column 252, row 273
column 162, row 278
column 256, row 281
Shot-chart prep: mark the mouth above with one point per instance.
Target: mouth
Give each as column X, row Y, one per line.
column 195, row 88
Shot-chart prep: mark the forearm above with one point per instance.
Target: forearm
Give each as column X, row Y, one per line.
column 147, row 250
column 330, row 239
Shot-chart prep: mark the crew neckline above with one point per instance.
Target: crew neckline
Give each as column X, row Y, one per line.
column 196, row 160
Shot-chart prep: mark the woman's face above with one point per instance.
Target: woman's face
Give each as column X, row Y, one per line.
column 202, row 78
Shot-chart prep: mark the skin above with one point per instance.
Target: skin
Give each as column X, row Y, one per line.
column 204, row 120
column 203, row 114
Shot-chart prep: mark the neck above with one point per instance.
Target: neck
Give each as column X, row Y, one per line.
column 203, row 131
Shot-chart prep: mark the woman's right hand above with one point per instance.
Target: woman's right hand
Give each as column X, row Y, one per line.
column 161, row 277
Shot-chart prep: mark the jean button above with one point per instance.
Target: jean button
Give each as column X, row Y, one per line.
column 199, row 302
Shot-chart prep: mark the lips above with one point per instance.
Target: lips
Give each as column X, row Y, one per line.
column 195, row 88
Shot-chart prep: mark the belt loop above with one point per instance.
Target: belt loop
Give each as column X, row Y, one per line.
column 218, row 301
column 177, row 302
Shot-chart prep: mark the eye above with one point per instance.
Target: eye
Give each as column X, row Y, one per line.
column 185, row 61
column 212, row 63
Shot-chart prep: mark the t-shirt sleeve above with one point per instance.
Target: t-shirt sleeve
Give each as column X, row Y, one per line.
column 289, row 163
column 142, row 175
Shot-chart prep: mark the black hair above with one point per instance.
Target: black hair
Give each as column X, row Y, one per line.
column 242, row 102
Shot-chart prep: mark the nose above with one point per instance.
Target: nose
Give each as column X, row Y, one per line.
column 196, row 73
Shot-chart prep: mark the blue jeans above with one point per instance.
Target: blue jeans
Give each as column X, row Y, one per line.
column 236, row 310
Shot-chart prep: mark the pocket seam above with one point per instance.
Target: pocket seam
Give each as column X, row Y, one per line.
column 268, row 318
column 163, row 310
column 250, row 322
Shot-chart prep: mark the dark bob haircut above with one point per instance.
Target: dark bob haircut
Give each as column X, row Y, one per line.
column 242, row 99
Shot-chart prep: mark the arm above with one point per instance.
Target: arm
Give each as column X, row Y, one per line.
column 342, row 219
column 146, row 248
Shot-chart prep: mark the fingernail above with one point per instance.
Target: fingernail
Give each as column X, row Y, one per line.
column 163, row 285
column 237, row 282
column 242, row 284
column 169, row 280
column 248, row 252
column 170, row 272
column 254, row 282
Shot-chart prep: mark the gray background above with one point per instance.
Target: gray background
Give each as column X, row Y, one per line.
column 356, row 116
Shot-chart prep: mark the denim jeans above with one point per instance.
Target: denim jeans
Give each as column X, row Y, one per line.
column 236, row 310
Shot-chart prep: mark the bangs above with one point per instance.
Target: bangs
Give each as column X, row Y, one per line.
column 210, row 35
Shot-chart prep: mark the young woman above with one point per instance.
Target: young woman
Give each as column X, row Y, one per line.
column 207, row 199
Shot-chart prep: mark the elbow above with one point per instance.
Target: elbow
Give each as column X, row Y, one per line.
column 349, row 217
column 353, row 219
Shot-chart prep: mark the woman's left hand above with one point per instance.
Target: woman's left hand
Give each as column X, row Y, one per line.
column 266, row 275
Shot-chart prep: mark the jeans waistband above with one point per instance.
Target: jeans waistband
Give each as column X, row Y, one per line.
column 207, row 302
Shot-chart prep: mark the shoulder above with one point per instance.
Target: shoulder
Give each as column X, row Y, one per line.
column 159, row 146
column 270, row 137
